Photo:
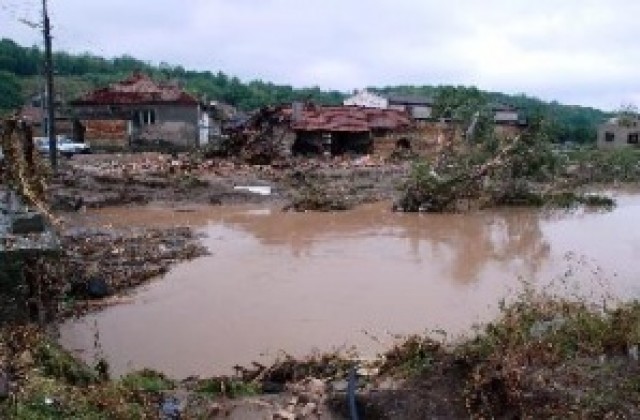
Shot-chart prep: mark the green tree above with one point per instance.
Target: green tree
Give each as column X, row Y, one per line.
column 10, row 91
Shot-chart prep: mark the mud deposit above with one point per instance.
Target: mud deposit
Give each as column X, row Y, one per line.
column 297, row 282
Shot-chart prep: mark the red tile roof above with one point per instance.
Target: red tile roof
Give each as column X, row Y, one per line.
column 348, row 119
column 137, row 89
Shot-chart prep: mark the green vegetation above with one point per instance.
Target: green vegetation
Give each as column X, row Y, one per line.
column 227, row 387
column 147, row 380
column 10, row 91
column 527, row 170
column 548, row 356
column 566, row 123
column 485, row 173
column 21, row 67
column 603, row 166
column 78, row 73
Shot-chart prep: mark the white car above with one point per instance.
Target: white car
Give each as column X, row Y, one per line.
column 65, row 146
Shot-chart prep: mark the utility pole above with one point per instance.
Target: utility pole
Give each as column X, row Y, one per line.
column 50, row 94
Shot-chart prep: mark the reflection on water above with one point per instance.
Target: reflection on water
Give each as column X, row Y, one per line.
column 295, row 282
column 467, row 242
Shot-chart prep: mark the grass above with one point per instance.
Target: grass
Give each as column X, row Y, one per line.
column 227, row 387
column 147, row 381
column 553, row 356
column 604, row 166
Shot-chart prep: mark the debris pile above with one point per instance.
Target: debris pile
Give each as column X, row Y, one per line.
column 260, row 140
column 100, row 263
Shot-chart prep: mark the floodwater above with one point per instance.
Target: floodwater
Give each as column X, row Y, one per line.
column 299, row 282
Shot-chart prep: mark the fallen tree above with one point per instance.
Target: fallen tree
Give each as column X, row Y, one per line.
column 493, row 172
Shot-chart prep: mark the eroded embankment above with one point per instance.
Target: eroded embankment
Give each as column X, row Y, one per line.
column 543, row 357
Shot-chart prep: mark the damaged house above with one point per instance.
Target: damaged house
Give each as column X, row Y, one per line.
column 338, row 130
column 139, row 111
column 307, row 130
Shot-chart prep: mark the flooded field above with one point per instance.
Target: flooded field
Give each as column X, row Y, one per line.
column 297, row 282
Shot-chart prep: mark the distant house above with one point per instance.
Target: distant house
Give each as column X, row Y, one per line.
column 366, row 99
column 619, row 132
column 505, row 114
column 139, row 110
column 418, row 107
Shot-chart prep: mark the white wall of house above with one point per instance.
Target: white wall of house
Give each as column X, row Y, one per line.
column 505, row 116
column 421, row 112
column 204, row 128
column 367, row 99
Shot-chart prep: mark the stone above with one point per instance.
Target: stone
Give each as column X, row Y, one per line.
column 67, row 203
column 98, row 288
column 269, row 387
column 170, row 409
column 26, row 359
column 29, row 222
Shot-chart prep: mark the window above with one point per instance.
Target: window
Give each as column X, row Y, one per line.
column 144, row 117
column 609, row 137
column 152, row 116
column 633, row 138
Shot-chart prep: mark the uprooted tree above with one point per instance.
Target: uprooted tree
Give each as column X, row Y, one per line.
column 491, row 171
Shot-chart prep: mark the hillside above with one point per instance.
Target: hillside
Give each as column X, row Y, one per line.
column 21, row 69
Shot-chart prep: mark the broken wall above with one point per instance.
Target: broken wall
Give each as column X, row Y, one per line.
column 423, row 139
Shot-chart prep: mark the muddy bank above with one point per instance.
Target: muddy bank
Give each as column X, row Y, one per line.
column 543, row 357
column 94, row 268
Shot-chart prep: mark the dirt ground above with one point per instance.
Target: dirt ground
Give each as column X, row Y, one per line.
column 95, row 181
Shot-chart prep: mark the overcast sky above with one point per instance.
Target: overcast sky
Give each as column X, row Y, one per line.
column 582, row 52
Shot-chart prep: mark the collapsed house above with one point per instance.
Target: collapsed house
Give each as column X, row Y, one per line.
column 139, row 111
column 338, row 130
column 311, row 130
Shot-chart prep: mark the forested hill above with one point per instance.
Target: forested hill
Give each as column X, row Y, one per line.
column 21, row 70
column 566, row 123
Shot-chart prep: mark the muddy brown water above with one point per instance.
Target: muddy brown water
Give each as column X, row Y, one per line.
column 285, row 282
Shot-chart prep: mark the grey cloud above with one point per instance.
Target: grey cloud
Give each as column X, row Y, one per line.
column 575, row 51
